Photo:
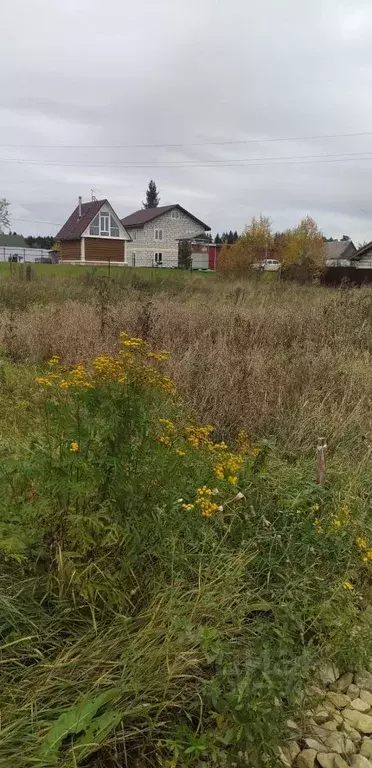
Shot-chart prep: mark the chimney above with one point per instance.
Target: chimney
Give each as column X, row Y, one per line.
column 80, row 202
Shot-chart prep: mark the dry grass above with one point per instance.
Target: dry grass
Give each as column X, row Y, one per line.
column 279, row 360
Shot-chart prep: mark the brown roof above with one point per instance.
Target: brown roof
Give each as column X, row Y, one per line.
column 74, row 227
column 141, row 217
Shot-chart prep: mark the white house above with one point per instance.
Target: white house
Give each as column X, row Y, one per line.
column 363, row 257
column 156, row 232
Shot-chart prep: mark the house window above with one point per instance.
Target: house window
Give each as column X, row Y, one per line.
column 114, row 228
column 158, row 259
column 104, row 225
column 94, row 227
column 158, row 234
column 133, row 259
column 175, row 213
column 104, row 221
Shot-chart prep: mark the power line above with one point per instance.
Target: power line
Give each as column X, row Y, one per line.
column 35, row 221
column 192, row 144
column 234, row 162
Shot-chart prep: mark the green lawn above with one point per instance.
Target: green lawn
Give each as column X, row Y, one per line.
column 72, row 270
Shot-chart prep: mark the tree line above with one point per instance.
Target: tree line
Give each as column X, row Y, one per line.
column 40, row 241
column 226, row 237
column 37, row 241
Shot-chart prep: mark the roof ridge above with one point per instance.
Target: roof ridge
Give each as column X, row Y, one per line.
column 89, row 202
column 144, row 215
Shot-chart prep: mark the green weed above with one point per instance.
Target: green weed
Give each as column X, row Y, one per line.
column 164, row 598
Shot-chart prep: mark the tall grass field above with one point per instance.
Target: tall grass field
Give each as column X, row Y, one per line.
column 171, row 572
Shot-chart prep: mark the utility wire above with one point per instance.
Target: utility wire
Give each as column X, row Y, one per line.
column 192, row 144
column 35, row 221
column 250, row 161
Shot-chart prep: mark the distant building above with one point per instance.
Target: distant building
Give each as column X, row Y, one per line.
column 338, row 253
column 363, row 257
column 93, row 234
column 12, row 241
column 203, row 252
column 14, row 248
column 156, row 232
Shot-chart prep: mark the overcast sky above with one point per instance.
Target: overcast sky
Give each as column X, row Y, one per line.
column 82, row 81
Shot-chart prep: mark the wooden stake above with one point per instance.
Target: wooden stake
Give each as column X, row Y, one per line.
column 321, row 460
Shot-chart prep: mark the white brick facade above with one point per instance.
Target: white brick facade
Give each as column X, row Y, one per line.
column 142, row 251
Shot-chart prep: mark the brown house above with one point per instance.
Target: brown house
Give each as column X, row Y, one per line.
column 93, row 234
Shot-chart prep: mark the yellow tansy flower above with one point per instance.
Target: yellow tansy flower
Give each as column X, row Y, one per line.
column 362, row 542
column 165, row 440
column 348, row 585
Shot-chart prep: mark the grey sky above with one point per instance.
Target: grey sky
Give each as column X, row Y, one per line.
column 87, row 72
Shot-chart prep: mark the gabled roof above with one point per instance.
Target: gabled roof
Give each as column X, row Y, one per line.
column 74, row 227
column 15, row 241
column 143, row 216
column 338, row 249
column 362, row 251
